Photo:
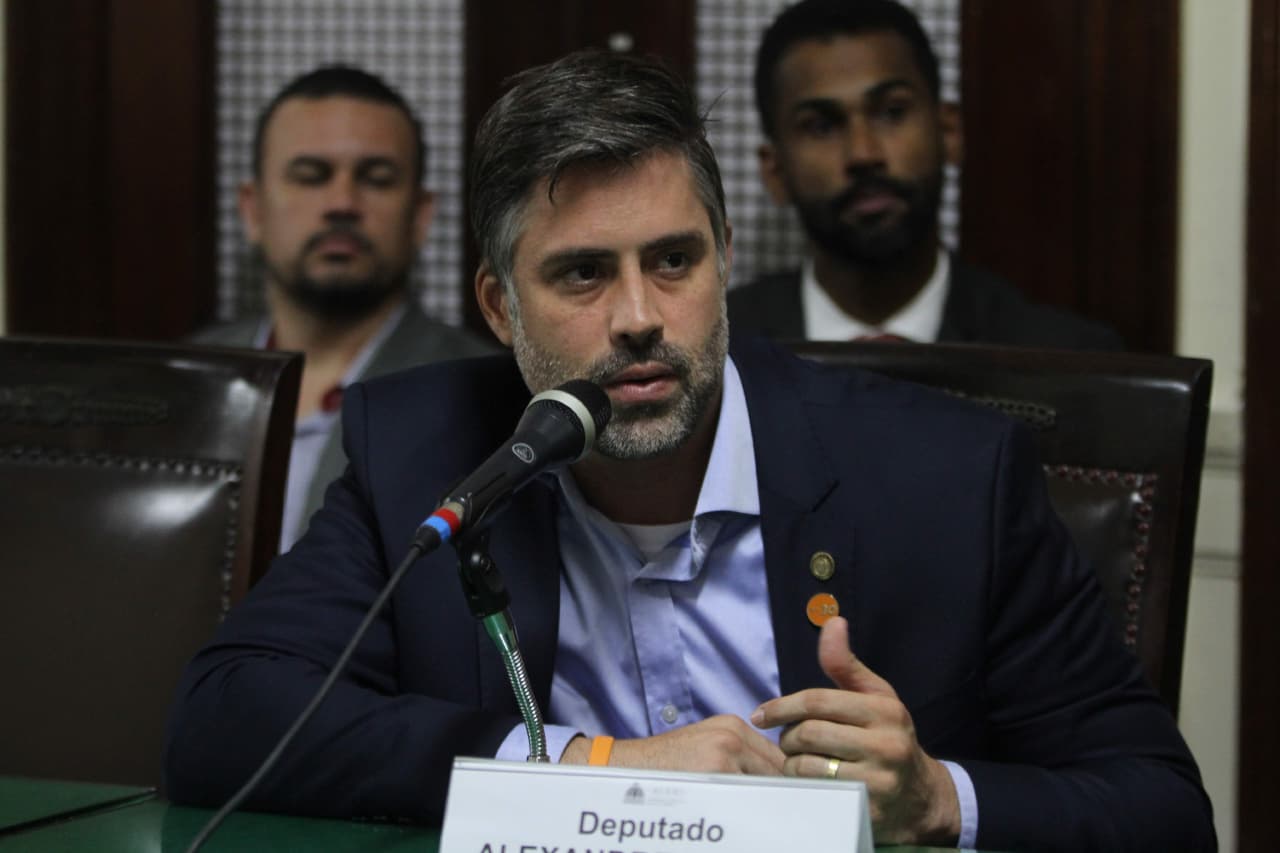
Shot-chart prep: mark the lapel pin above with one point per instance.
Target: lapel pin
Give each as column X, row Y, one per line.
column 821, row 608
column 822, row 565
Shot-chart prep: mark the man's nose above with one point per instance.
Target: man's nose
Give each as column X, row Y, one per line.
column 342, row 198
column 862, row 144
column 636, row 319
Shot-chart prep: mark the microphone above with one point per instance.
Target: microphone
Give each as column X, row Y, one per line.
column 558, row 427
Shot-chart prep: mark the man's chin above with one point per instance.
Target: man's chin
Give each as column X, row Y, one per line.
column 644, row 430
column 342, row 301
column 879, row 248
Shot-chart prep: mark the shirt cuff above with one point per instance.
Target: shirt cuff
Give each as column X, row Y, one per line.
column 515, row 746
column 968, row 803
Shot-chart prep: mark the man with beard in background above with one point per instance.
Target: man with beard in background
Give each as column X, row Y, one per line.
column 336, row 212
column 857, row 140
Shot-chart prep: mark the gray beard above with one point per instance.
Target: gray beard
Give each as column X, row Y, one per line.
column 638, row 431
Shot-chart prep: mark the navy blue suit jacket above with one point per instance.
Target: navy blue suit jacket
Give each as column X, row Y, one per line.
column 961, row 586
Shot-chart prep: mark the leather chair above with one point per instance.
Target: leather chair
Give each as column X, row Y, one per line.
column 1122, row 439
column 141, row 489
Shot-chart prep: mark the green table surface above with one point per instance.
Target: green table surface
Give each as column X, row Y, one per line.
column 141, row 821
column 26, row 802
column 156, row 825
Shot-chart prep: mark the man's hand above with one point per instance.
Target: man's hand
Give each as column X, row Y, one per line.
column 866, row 727
column 722, row 744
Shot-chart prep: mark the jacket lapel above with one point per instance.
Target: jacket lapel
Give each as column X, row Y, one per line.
column 799, row 502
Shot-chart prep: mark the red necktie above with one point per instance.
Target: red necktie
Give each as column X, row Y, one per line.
column 883, row 337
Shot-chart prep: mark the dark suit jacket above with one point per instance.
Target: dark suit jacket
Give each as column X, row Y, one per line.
column 416, row 339
column 961, row 586
column 980, row 308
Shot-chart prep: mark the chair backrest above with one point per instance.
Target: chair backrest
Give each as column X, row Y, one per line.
column 141, row 489
column 1122, row 439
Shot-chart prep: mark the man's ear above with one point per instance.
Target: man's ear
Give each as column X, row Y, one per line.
column 424, row 210
column 492, row 297
column 771, row 173
column 248, row 202
column 951, row 126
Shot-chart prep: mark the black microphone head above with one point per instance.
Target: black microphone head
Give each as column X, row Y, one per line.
column 593, row 399
column 580, row 407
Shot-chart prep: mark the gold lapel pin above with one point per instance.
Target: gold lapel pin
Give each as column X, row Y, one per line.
column 822, row 565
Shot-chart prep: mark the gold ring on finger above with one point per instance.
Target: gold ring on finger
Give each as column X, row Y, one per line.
column 833, row 767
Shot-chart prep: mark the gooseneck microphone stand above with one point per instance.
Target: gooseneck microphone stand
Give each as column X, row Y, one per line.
column 488, row 599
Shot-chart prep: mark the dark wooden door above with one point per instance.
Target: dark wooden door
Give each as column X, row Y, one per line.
column 1069, row 184
column 109, row 167
column 1259, row 746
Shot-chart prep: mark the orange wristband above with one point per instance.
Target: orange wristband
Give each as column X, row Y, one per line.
column 601, row 748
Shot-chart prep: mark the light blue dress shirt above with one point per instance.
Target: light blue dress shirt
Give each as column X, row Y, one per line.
column 311, row 434
column 653, row 641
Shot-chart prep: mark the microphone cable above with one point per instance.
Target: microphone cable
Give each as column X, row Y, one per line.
column 416, row 550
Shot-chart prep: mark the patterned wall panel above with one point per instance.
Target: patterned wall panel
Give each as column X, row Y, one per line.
column 416, row 45
column 767, row 237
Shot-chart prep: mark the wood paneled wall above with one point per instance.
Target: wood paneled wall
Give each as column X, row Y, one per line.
column 1259, row 752
column 109, row 159
column 1069, row 186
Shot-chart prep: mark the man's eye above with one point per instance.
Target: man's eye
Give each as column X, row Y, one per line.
column 893, row 112
column 581, row 273
column 309, row 175
column 381, row 177
column 674, row 261
column 816, row 125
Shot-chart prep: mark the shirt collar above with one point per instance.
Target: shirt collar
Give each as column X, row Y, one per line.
column 355, row 370
column 729, row 484
column 919, row 320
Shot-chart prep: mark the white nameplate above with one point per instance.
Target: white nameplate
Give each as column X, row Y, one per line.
column 509, row 807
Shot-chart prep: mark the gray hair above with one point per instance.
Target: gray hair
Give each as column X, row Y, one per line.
column 591, row 107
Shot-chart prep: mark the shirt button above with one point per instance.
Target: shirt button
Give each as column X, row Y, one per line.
column 670, row 714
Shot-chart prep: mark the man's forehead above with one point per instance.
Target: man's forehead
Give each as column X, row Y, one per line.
column 337, row 125
column 612, row 205
column 844, row 66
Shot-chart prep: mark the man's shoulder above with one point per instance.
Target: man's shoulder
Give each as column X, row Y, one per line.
column 777, row 377
column 421, row 333
column 418, row 339
column 475, row 383
column 986, row 308
column 489, row 366
column 461, row 407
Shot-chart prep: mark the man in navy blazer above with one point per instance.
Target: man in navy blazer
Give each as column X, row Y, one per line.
column 989, row 702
